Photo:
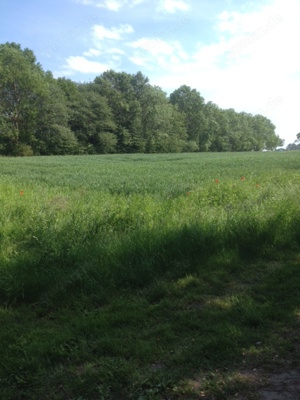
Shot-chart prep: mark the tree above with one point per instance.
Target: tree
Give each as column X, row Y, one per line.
column 107, row 143
column 33, row 107
column 60, row 140
column 295, row 145
column 22, row 85
column 90, row 116
column 93, row 117
column 163, row 128
column 264, row 133
column 53, row 116
column 191, row 104
column 120, row 91
column 118, row 112
column 169, row 134
column 211, row 129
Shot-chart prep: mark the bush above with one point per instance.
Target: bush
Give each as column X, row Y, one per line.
column 23, row 150
column 59, row 140
column 107, row 143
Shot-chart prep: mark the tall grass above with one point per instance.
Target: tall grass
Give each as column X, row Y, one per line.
column 124, row 277
column 77, row 223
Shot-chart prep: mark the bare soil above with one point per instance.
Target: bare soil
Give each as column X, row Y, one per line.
column 284, row 384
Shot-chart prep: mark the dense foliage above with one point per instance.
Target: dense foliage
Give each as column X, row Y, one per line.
column 116, row 113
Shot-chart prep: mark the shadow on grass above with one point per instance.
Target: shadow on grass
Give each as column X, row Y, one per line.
column 91, row 261
column 146, row 344
column 135, row 319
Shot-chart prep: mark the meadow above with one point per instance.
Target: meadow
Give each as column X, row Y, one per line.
column 167, row 276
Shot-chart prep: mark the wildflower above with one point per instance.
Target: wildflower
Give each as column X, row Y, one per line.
column 217, row 180
column 242, row 178
column 21, row 193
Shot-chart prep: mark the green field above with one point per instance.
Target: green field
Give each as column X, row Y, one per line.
column 147, row 276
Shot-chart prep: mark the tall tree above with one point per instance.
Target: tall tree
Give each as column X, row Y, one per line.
column 163, row 125
column 22, row 85
column 53, row 134
column 118, row 112
column 191, row 104
column 34, row 113
column 120, row 93
column 90, row 117
column 264, row 133
column 96, row 121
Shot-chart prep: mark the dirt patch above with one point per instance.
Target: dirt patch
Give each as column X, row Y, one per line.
column 283, row 386
column 285, row 383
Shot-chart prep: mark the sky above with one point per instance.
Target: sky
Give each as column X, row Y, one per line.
column 238, row 54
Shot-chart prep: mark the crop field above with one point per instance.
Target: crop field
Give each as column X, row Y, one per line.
column 167, row 276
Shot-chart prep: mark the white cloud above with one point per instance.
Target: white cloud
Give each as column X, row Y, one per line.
column 115, row 50
column 133, row 3
column 82, row 65
column 139, row 61
column 154, row 53
column 100, row 32
column 110, row 56
column 153, row 46
column 251, row 67
column 86, row 2
column 92, row 53
column 172, row 6
column 112, row 5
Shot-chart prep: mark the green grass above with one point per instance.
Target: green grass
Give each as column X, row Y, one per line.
column 146, row 276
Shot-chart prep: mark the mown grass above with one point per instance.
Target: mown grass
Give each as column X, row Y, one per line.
column 146, row 276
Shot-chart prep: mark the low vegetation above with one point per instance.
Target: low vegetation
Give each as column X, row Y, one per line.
column 147, row 276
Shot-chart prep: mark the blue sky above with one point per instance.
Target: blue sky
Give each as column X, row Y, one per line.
column 238, row 54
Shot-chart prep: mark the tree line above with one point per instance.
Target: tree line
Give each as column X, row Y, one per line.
column 116, row 113
column 295, row 145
